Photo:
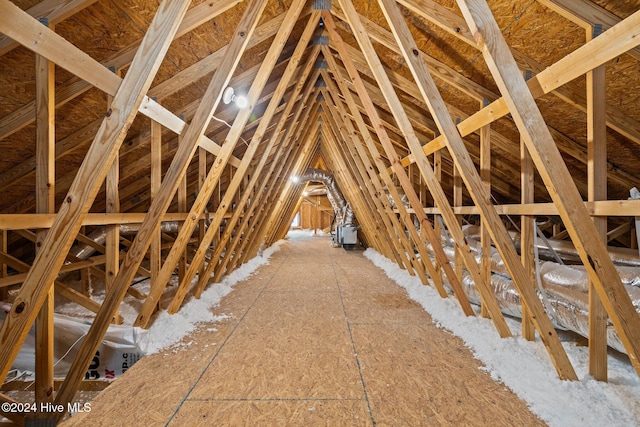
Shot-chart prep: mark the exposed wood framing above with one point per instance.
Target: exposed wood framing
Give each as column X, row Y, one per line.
column 377, row 190
column 485, row 175
column 90, row 177
column 155, row 262
column 214, row 95
column 615, row 42
column 24, row 29
column 426, row 227
column 335, row 107
column 350, row 180
column 586, row 14
column 417, row 241
column 527, row 233
column 597, row 183
column 474, row 185
column 525, row 113
column 240, row 173
column 284, row 194
column 259, row 179
column 257, row 198
column 45, row 203
column 53, row 11
column 112, row 231
column 456, row 26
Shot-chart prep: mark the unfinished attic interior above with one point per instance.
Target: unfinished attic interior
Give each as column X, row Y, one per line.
column 152, row 149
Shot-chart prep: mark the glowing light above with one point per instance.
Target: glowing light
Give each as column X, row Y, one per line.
column 241, row 101
column 229, row 96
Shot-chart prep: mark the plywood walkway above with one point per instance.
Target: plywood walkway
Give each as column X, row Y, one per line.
column 317, row 337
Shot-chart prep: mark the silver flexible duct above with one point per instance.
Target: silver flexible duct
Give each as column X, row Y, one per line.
column 567, row 251
column 342, row 209
column 564, row 289
column 84, row 251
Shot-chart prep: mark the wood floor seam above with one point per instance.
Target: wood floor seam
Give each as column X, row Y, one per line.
column 344, row 350
column 222, row 345
column 353, row 344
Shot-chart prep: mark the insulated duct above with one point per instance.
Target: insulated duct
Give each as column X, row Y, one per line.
column 566, row 250
column 84, row 251
column 342, row 209
column 563, row 289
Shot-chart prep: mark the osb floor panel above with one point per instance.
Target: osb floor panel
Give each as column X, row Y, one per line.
column 317, row 337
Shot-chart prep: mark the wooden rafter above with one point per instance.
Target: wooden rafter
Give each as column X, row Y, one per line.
column 90, row 177
column 255, row 190
column 522, row 105
column 240, row 173
column 336, row 116
column 474, row 185
column 395, row 161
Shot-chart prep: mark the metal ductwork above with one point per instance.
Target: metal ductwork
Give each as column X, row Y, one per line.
column 341, row 208
column 84, row 251
column 563, row 289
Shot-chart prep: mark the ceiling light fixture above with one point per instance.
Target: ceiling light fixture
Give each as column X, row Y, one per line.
column 229, row 96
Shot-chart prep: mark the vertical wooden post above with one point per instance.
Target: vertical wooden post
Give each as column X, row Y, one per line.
column 457, row 202
column 182, row 208
column 202, row 175
column 485, row 176
column 597, row 190
column 45, row 203
column 314, row 220
column 437, row 226
column 112, row 237
column 4, row 292
column 527, row 233
column 156, row 181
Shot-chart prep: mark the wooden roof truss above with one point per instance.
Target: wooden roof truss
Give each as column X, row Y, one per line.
column 333, row 103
